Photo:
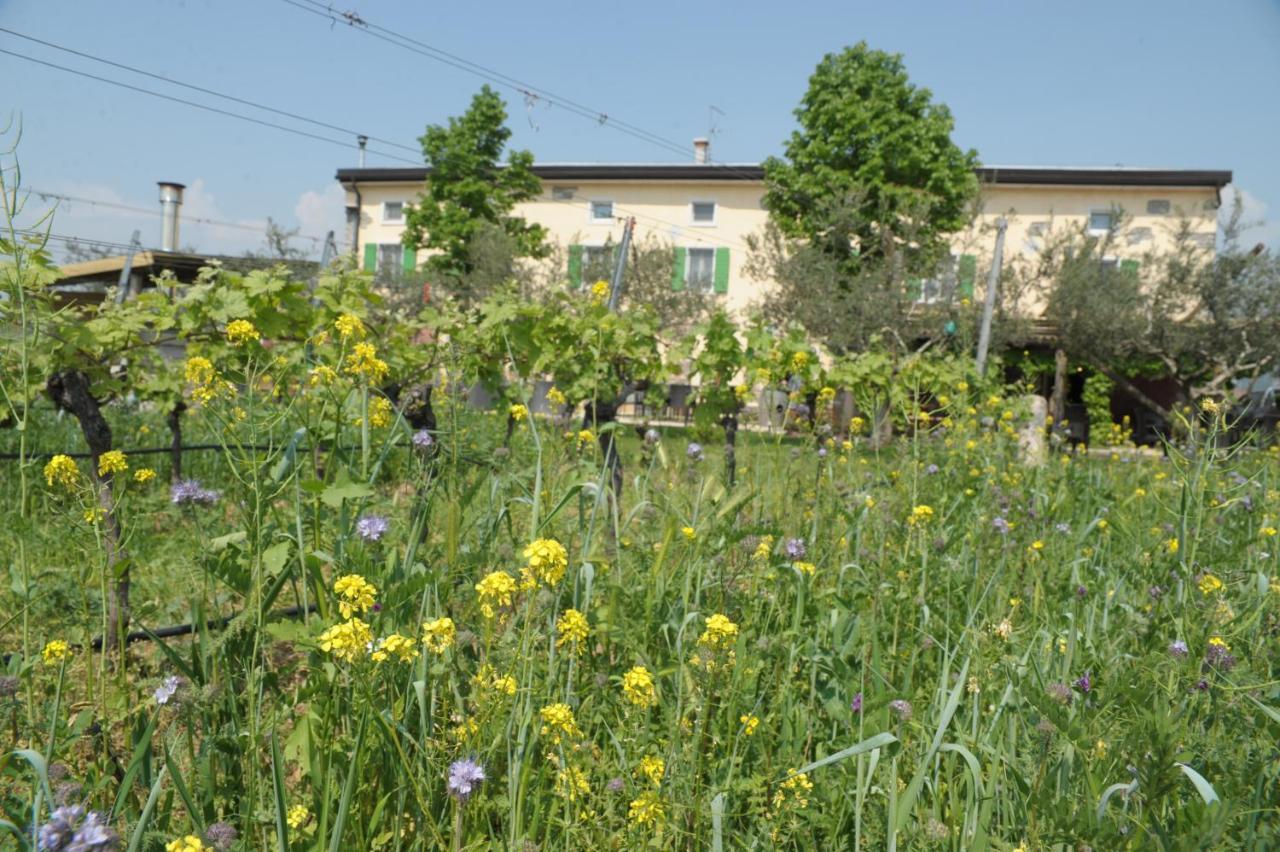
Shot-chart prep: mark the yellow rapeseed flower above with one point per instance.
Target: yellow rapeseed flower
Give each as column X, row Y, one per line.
column 689, row 533
column 1171, row 545
column 347, row 641
column 1209, row 584
column 241, row 331
column 749, row 723
column 585, row 438
column 189, row 843
column 143, row 475
column 571, row 783
column 363, row 362
column 380, row 410
column 558, row 722
column 920, row 515
column 547, row 560
column 349, row 325
column 572, row 628
column 518, row 412
column 652, row 767
column 55, row 652
column 321, row 375
column 495, row 590
column 355, row 594
column 720, row 632
column 647, row 810
column 298, row 816
column 556, row 397
column 806, row 568
column 637, row 686
column 61, row 470
column 796, row 788
column 439, row 635
column 401, row 647
column 600, row 291
column 112, row 462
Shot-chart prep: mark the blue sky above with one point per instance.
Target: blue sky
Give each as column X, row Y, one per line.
column 1177, row 84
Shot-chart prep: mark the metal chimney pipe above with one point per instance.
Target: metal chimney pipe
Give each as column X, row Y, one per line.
column 701, row 150
column 362, row 141
column 170, row 201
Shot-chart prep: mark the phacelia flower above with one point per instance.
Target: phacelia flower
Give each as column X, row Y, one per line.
column 372, row 527
column 355, row 594
column 348, row 641
column 61, row 470
column 191, row 492
column 856, row 704
column 694, row 451
column 901, row 708
column 70, row 827
column 166, row 690
column 558, row 722
column 464, row 777
column 241, row 331
column 422, row 439
column 637, row 686
column 221, row 836
column 1000, row 525
column 571, row 629
column 1218, row 655
column 795, row 548
column 495, row 591
column 1085, row 682
column 55, row 652
column 1178, row 648
column 439, row 635
column 112, row 462
column 547, row 560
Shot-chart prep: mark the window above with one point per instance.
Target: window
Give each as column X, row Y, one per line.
column 563, row 193
column 390, row 258
column 1158, row 207
column 601, row 211
column 935, row 289
column 393, row 211
column 1100, row 221
column 703, row 212
column 700, row 271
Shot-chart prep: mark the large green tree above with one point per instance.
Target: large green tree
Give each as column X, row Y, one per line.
column 469, row 194
column 872, row 167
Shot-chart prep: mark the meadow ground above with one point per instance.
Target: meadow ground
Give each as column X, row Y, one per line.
column 925, row 646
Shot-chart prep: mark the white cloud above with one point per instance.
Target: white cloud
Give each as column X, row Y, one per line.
column 1258, row 223
column 318, row 213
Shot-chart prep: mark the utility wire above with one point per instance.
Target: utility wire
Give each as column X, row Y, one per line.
column 147, row 211
column 207, row 91
column 205, row 107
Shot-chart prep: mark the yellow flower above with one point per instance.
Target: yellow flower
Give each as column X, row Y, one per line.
column 807, row 568
column 652, row 767
column 637, row 686
column 1100, row 749
column 556, row 397
column 495, row 591
column 190, row 843
column 741, row 392
column 558, row 722
column 920, row 515
column 1269, row 532
column 572, row 627
column 143, row 475
column 855, row 425
column 646, row 810
column 749, row 723
column 55, row 652
column 600, row 291
column 1004, row 629
column 689, row 533
column 505, row 684
column 380, row 409
column 112, row 462
column 799, row 360
column 349, row 325
column 719, row 633
column 321, row 375
column 571, row 783
column 585, row 438
column 518, row 412
column 206, row 383
column 365, row 363
column 1037, row 545
column 401, row 647
column 1209, row 406
column 547, row 560
column 94, row 515
column 439, row 635
column 1171, row 545
column 347, row 641
column 869, row 501
column 61, row 470
column 973, row 687
column 355, row 594
column 298, row 816
column 1209, row 584
column 826, row 395
column 1220, row 642
column 797, row 787
column 241, row 331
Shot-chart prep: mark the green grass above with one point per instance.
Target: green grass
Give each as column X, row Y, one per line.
column 987, row 634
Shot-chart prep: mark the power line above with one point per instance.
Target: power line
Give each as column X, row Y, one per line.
column 206, row 91
column 529, row 90
column 205, row 107
column 147, row 211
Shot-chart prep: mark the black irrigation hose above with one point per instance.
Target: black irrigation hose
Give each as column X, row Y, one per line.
column 145, row 635
column 143, row 451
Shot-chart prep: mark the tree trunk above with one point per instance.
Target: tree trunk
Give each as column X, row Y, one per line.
column 70, row 391
column 1058, row 401
column 730, row 424
column 174, row 419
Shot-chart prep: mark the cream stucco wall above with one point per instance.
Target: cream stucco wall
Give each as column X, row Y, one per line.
column 663, row 210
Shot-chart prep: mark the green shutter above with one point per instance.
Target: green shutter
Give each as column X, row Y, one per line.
column 370, row 257
column 966, row 272
column 913, row 290
column 722, row 270
column 1129, row 267
column 677, row 274
column 410, row 260
column 575, row 266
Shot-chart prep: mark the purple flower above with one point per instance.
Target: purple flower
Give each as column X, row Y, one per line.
column 372, row 527
column 221, row 836
column 856, row 704
column 615, row 785
column 1202, row 686
column 166, row 690
column 464, row 776
column 1059, row 692
column 1081, row 592
column 1178, row 648
column 1085, row 683
column 71, row 828
column 422, row 439
column 822, row 452
column 931, row 469
column 694, row 452
column 1218, row 657
column 795, row 548
column 1001, row 525
column 190, row 491
column 901, row 708
column 1062, row 527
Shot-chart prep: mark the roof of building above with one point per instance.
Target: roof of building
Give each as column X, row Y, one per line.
column 754, row 172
